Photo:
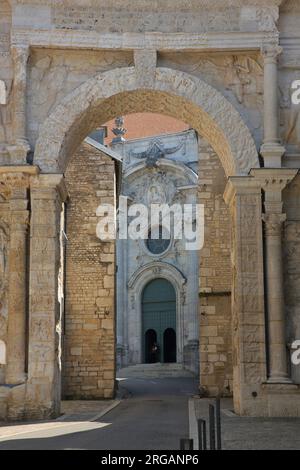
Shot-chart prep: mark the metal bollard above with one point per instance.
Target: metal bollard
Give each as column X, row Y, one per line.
column 202, row 434
column 218, row 424
column 212, row 434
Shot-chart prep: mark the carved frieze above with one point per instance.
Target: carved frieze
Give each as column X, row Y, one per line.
column 11, row 181
column 145, row 18
column 242, row 74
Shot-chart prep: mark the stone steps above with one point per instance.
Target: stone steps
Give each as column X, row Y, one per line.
column 157, row 370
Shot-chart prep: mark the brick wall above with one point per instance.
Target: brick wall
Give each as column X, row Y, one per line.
column 215, row 278
column 89, row 330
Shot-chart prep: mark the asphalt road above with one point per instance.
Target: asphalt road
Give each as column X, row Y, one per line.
column 154, row 416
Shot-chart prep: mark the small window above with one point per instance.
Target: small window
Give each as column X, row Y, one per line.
column 158, row 241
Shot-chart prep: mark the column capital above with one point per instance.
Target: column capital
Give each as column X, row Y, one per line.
column 271, row 52
column 15, row 180
column 20, row 52
column 19, row 150
column 273, row 223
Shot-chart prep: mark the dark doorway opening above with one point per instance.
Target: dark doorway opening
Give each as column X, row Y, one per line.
column 151, row 347
column 169, row 345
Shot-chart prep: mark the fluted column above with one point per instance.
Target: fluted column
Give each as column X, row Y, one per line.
column 273, row 181
column 271, row 150
column 16, row 344
column 20, row 147
column 275, row 299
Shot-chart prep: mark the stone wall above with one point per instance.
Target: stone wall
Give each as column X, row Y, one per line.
column 89, row 330
column 215, row 278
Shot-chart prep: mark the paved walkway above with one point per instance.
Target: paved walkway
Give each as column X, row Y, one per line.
column 153, row 416
column 74, row 412
column 242, row 433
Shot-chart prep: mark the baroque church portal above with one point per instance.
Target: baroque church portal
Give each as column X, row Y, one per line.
column 158, row 170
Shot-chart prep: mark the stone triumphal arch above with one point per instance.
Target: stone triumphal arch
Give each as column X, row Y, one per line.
column 62, row 78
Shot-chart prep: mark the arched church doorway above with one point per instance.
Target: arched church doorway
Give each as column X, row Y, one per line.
column 158, row 320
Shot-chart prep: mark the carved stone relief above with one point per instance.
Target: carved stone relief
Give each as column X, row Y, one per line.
column 52, row 74
column 152, row 188
column 239, row 73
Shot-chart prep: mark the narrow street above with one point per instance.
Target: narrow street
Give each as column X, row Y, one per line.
column 153, row 416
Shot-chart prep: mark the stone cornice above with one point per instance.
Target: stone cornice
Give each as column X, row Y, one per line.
column 28, row 170
column 274, row 179
column 240, row 185
column 167, row 4
column 76, row 39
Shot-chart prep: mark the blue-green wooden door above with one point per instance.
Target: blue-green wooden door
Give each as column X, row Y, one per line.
column 158, row 315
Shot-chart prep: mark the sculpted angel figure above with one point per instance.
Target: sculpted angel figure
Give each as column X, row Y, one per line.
column 155, row 152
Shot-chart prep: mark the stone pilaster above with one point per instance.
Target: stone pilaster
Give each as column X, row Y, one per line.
column 243, row 195
column 20, row 147
column 17, row 303
column 273, row 182
column 43, row 387
column 15, row 182
column 271, row 150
